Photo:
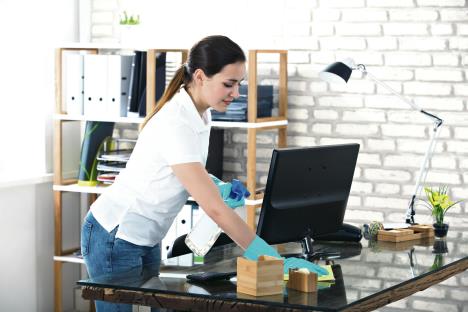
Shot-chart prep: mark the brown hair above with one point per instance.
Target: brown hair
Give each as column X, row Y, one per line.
column 210, row 54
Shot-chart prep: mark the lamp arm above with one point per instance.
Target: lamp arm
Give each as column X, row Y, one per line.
column 422, row 172
column 363, row 69
column 410, row 103
column 430, row 149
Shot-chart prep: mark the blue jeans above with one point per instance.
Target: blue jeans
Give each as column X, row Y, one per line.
column 105, row 254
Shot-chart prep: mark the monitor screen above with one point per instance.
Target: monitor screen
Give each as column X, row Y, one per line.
column 306, row 192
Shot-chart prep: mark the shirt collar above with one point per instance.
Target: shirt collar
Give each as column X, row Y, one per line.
column 199, row 123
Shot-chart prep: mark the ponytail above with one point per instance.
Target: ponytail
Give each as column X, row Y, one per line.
column 181, row 76
column 210, row 54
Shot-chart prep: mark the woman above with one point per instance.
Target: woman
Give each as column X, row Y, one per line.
column 126, row 224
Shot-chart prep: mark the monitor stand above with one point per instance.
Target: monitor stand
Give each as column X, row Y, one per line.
column 310, row 254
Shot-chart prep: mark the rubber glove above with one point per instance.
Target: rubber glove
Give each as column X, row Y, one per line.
column 223, row 187
column 291, row 263
column 259, row 247
column 233, row 193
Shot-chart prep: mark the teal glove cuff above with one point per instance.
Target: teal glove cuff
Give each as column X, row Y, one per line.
column 258, row 247
column 223, row 187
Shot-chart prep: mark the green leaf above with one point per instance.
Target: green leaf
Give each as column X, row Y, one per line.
column 129, row 19
column 439, row 202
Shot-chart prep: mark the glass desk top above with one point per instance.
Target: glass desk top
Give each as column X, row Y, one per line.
column 369, row 274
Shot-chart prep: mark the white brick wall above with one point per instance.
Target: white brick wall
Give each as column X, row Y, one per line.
column 419, row 48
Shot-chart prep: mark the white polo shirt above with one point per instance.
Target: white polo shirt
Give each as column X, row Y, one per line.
column 146, row 196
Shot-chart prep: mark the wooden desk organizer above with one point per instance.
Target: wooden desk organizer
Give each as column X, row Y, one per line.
column 260, row 278
column 302, row 281
column 400, row 235
column 426, row 230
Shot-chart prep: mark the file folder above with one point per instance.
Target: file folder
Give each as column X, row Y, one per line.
column 160, row 83
column 118, row 82
column 138, row 80
column 95, row 81
column 184, row 220
column 131, row 84
column 73, row 84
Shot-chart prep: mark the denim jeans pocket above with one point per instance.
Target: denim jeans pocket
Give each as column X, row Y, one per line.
column 124, row 248
column 86, row 237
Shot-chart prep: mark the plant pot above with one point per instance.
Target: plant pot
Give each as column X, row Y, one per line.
column 440, row 246
column 129, row 34
column 440, row 230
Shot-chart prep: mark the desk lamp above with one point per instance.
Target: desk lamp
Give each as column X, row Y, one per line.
column 340, row 72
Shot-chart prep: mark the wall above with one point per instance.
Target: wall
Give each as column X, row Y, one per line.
column 418, row 47
column 29, row 37
column 27, row 232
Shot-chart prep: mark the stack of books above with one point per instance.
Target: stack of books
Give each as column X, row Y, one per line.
column 238, row 110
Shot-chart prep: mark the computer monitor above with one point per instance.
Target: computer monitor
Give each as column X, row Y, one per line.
column 306, row 193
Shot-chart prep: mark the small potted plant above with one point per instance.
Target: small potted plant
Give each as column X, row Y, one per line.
column 129, row 20
column 128, row 28
column 439, row 202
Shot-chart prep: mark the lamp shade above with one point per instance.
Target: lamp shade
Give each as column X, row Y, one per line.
column 336, row 72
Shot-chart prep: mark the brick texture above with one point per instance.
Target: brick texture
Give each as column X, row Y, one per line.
column 419, row 48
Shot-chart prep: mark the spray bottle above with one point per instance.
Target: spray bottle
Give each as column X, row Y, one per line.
column 205, row 233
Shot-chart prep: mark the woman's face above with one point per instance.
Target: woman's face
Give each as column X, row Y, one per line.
column 219, row 90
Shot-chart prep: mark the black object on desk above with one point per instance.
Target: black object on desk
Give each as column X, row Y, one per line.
column 346, row 233
column 211, row 276
column 306, row 194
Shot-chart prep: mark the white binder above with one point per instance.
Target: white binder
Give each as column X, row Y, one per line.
column 95, row 82
column 168, row 240
column 181, row 225
column 73, row 83
column 184, row 220
column 118, row 83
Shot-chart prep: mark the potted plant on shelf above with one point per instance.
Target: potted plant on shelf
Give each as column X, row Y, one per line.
column 128, row 25
column 439, row 202
column 129, row 20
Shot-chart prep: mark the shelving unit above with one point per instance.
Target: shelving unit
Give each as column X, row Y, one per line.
column 278, row 123
column 61, row 184
column 253, row 125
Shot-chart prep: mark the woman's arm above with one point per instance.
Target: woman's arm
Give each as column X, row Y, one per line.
column 198, row 183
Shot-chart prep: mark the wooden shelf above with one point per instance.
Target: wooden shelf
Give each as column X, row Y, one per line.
column 111, row 46
column 252, row 118
column 75, row 188
column 218, row 124
column 252, row 126
column 61, row 184
column 69, row 258
column 65, row 117
column 99, row 189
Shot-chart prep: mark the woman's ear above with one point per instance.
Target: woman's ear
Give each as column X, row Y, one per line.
column 199, row 77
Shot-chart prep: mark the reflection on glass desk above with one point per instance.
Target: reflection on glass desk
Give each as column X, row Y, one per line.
column 370, row 276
